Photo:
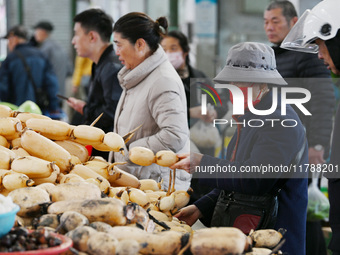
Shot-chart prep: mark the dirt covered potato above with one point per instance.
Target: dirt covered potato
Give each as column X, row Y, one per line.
column 102, row 243
column 71, row 220
column 75, row 191
column 100, row 226
column 80, row 237
column 29, row 199
column 49, row 220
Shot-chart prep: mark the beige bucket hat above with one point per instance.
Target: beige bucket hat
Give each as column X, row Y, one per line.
column 250, row 62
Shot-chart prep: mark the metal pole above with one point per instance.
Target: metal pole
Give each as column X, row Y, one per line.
column 73, row 10
column 73, row 13
column 20, row 12
column 173, row 15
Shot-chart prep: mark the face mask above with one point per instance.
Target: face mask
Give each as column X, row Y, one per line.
column 176, row 59
column 245, row 94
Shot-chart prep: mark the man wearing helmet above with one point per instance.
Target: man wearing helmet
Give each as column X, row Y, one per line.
column 306, row 71
column 318, row 31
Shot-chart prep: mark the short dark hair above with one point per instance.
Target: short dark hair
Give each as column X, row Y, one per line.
column 135, row 25
column 288, row 9
column 183, row 42
column 46, row 25
column 19, row 31
column 96, row 20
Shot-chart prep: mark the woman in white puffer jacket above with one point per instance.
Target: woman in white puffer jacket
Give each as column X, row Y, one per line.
column 153, row 95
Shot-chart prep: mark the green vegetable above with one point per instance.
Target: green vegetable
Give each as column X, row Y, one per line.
column 29, row 106
column 317, row 211
column 12, row 106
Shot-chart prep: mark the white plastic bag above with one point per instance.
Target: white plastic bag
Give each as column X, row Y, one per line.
column 318, row 203
column 204, row 134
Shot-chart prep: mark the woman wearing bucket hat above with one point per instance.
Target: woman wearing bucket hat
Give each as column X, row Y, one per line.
column 251, row 68
column 318, row 31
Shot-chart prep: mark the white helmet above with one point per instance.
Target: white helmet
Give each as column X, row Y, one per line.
column 323, row 22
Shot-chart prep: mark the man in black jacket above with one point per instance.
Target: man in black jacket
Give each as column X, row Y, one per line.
column 319, row 31
column 304, row 70
column 92, row 32
column 307, row 71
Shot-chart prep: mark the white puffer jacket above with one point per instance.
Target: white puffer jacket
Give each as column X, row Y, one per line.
column 153, row 95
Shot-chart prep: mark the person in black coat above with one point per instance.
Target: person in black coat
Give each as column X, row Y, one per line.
column 319, row 31
column 92, row 33
column 307, row 71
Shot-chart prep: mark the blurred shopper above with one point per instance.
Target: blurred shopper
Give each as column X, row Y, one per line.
column 80, row 84
column 279, row 18
column 22, row 64
column 81, row 75
column 153, row 95
column 176, row 46
column 253, row 65
column 53, row 52
column 92, row 32
column 318, row 30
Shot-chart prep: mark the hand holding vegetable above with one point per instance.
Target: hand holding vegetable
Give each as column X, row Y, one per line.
column 188, row 162
column 189, row 214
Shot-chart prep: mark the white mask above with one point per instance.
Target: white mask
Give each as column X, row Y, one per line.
column 176, row 58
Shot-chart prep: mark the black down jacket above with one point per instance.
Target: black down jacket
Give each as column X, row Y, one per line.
column 307, row 71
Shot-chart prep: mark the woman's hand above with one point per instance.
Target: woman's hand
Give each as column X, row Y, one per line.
column 183, row 163
column 188, row 162
column 76, row 104
column 189, row 214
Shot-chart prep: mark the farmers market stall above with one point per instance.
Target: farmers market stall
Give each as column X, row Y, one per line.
column 70, row 201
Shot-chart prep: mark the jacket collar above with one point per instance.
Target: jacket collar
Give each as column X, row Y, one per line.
column 106, row 52
column 22, row 45
column 131, row 78
column 278, row 50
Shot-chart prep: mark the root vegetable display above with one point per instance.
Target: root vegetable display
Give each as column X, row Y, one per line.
column 75, row 191
column 34, row 167
column 41, row 147
column 29, row 199
column 166, row 158
column 141, row 156
column 75, row 149
column 223, row 240
column 266, row 238
column 167, row 242
column 52, row 129
column 13, row 181
column 109, row 210
column 71, row 220
column 102, row 243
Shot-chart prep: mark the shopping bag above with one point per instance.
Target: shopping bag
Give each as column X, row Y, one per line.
column 318, row 203
column 204, row 134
